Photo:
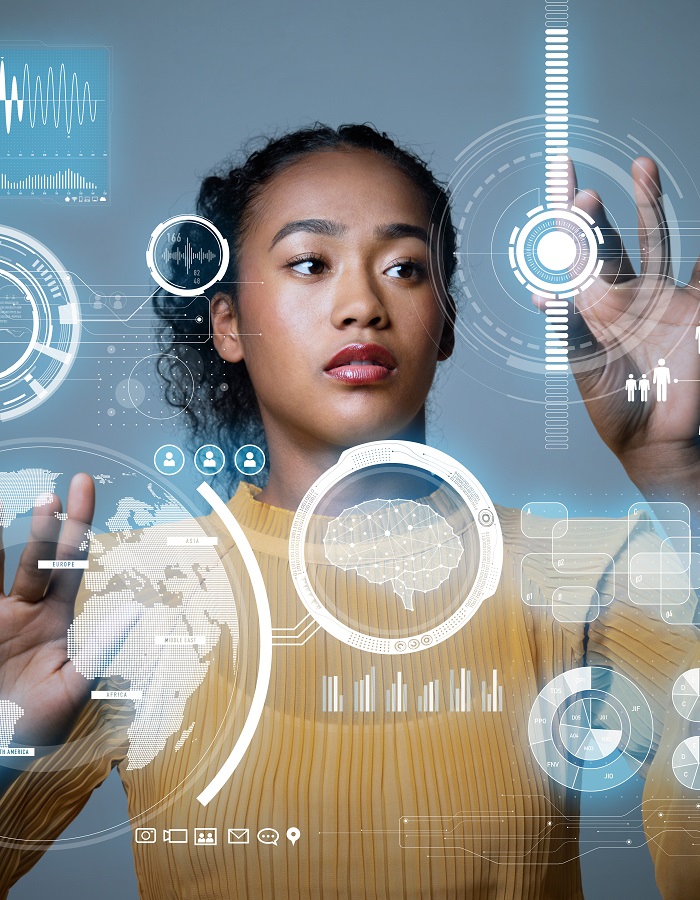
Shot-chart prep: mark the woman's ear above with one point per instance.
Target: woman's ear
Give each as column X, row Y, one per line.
column 447, row 339
column 224, row 328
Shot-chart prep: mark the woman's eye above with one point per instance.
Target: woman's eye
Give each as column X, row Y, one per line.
column 308, row 266
column 405, row 270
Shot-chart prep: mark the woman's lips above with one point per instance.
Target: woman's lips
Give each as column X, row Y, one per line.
column 361, row 364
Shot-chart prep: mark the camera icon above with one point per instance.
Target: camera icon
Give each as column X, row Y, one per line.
column 145, row 836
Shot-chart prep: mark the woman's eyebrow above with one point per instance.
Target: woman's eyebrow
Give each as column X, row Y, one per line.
column 310, row 226
column 400, row 230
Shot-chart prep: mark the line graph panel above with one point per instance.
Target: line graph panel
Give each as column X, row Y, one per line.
column 54, row 123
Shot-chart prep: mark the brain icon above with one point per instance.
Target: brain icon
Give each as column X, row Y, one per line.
column 398, row 541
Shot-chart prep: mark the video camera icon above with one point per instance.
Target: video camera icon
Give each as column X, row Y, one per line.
column 175, row 835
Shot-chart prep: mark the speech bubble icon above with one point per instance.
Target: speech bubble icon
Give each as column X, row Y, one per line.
column 293, row 835
column 268, row 836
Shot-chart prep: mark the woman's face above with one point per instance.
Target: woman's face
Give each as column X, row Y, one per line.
column 337, row 321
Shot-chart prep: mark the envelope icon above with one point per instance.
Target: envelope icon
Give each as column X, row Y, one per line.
column 239, row 835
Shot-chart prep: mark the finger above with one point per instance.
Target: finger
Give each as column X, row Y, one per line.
column 617, row 266
column 30, row 581
column 654, row 240
column 74, row 543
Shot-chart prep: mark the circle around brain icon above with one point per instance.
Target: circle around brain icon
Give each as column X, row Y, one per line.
column 401, row 542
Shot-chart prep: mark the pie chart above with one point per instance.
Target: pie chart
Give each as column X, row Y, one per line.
column 686, row 695
column 686, row 763
column 579, row 735
column 590, row 729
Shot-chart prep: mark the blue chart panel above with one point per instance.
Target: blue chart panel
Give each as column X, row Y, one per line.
column 54, row 123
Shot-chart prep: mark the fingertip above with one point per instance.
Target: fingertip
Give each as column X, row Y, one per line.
column 589, row 200
column 81, row 497
column 644, row 168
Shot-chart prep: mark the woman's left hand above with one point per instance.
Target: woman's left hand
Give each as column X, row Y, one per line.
column 627, row 324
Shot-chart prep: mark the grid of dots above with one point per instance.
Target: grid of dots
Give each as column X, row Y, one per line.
column 23, row 490
column 398, row 541
column 10, row 714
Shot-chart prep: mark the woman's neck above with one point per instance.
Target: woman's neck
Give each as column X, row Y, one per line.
column 295, row 464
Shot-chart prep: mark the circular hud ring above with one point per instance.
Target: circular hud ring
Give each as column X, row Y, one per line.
column 434, row 462
column 555, row 254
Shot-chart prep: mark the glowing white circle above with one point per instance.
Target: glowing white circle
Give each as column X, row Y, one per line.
column 556, row 251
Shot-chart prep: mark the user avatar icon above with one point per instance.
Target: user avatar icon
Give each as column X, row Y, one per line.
column 169, row 459
column 249, row 459
column 209, row 459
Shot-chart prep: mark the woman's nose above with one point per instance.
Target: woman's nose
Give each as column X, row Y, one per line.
column 358, row 302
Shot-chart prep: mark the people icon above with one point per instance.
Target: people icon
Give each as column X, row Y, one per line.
column 662, row 378
column 169, row 461
column 249, row 461
column 209, row 461
column 644, row 386
column 205, row 837
column 631, row 386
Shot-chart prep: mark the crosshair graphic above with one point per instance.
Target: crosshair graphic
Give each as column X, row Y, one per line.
column 555, row 255
column 590, row 729
column 39, row 323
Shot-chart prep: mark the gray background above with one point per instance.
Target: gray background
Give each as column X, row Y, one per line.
column 192, row 81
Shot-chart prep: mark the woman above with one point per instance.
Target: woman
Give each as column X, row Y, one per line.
column 328, row 331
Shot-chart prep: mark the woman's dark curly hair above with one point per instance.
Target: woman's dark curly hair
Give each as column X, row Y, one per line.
column 224, row 408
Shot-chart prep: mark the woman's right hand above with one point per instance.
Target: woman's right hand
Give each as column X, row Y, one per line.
column 35, row 616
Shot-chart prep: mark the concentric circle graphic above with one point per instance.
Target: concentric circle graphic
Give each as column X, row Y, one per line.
column 471, row 495
column 581, row 729
column 186, row 255
column 39, row 323
column 556, row 253
column 497, row 180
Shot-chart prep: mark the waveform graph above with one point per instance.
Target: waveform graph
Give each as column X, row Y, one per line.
column 186, row 255
column 55, row 123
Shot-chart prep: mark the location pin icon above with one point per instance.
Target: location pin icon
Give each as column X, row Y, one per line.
column 293, row 835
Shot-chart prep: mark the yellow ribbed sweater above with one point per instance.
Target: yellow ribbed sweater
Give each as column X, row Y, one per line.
column 346, row 779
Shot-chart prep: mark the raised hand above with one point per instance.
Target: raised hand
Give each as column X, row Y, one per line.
column 35, row 616
column 625, row 324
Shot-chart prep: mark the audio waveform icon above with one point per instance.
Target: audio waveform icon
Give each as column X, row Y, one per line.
column 58, row 181
column 47, row 98
column 187, row 256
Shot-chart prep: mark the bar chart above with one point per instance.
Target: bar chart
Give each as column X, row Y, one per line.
column 427, row 696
